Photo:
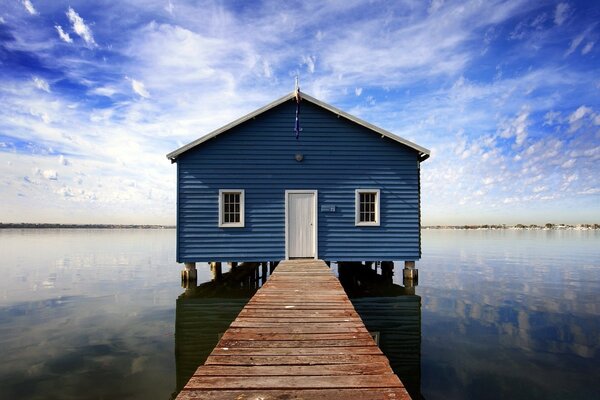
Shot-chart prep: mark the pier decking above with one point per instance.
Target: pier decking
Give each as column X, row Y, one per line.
column 299, row 337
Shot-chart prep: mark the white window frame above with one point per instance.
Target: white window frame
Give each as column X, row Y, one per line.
column 357, row 193
column 240, row 224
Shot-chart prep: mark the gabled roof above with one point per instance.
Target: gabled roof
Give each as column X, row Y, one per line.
column 423, row 152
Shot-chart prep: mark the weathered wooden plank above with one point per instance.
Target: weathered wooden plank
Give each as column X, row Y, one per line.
column 245, row 334
column 300, row 329
column 321, row 394
column 298, row 306
column 292, row 312
column 375, row 368
column 295, row 382
column 298, row 343
column 295, row 360
column 299, row 326
column 304, row 351
column 294, row 320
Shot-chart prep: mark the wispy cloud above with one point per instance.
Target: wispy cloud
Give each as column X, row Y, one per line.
column 139, row 88
column 587, row 48
column 561, row 13
column 29, row 7
column 64, row 36
column 80, row 27
column 517, row 127
column 41, row 84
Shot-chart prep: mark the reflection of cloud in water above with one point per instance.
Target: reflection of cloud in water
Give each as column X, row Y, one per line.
column 88, row 314
column 510, row 314
column 78, row 345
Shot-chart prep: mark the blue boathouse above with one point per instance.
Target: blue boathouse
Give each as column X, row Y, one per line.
column 343, row 190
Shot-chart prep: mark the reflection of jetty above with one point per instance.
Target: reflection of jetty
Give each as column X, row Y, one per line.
column 204, row 312
column 391, row 312
column 298, row 337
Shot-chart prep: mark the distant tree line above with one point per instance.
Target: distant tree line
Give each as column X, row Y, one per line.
column 80, row 226
column 517, row 226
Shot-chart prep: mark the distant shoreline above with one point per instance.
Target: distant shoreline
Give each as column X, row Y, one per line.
column 455, row 227
column 546, row 227
column 81, row 226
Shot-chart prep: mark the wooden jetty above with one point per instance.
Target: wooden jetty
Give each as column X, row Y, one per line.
column 299, row 337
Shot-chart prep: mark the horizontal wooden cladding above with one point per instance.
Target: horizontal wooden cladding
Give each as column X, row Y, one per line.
column 299, row 337
column 259, row 157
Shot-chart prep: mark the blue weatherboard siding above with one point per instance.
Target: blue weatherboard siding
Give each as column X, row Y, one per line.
column 258, row 156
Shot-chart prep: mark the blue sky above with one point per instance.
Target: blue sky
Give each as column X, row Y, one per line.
column 95, row 93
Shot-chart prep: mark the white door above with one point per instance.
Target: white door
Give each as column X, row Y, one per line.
column 301, row 224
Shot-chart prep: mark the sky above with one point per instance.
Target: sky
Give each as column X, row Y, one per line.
column 94, row 94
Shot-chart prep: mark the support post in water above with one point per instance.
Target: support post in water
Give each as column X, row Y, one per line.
column 387, row 271
column 216, row 270
column 189, row 272
column 410, row 272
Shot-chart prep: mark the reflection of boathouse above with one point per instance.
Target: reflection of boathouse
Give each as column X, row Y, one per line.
column 204, row 312
column 392, row 313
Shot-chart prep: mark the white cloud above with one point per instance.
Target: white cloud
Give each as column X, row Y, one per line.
column 50, row 174
column 139, row 88
column 578, row 114
column 569, row 163
column 80, row 27
column 435, row 5
column 41, row 84
column 358, row 91
column 64, row 36
column 62, row 160
column 590, row 191
column 29, row 7
column 551, row 117
column 587, row 48
column 170, row 7
column 267, row 71
column 309, row 61
column 2, row 21
column 568, row 179
column 517, row 127
column 575, row 43
column 561, row 13
column 107, row 91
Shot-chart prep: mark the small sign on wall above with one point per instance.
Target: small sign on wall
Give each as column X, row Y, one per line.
column 328, row 209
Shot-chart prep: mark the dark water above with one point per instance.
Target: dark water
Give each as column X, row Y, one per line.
column 497, row 314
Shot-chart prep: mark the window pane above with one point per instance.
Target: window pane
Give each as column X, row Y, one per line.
column 367, row 207
column 231, row 207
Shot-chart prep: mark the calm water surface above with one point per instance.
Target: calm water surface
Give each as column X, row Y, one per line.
column 497, row 314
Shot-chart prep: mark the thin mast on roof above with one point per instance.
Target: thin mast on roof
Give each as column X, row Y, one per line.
column 298, row 97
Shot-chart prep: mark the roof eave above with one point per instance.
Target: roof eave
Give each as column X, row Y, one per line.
column 174, row 154
column 422, row 150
